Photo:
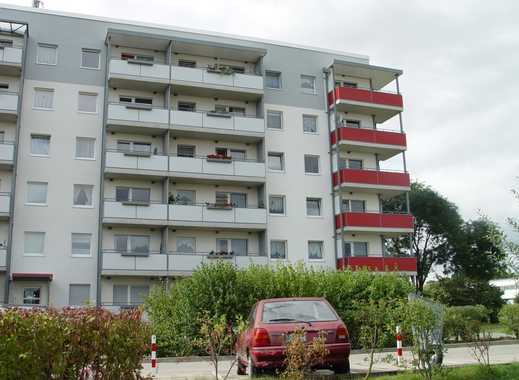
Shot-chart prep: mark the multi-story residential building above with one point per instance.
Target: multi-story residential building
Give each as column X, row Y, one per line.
column 132, row 153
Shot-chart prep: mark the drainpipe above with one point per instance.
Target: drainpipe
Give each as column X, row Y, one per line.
column 9, row 251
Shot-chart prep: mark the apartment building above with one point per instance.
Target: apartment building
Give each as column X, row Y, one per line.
column 132, row 153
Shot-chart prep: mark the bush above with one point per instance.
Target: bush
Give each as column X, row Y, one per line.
column 220, row 289
column 70, row 344
column 462, row 322
column 509, row 317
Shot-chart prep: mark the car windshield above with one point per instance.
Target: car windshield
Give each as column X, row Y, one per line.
column 297, row 311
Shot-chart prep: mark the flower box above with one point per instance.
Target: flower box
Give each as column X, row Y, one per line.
column 220, row 255
column 219, row 158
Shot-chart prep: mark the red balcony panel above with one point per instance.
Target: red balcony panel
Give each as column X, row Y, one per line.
column 374, row 220
column 371, row 177
column 371, row 136
column 366, row 96
column 386, row 264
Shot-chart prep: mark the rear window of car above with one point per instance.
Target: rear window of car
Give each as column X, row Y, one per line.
column 297, row 311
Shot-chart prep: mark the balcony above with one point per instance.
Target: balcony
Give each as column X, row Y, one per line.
column 10, row 60
column 383, row 105
column 143, row 74
column 3, row 259
column 386, row 183
column 217, row 124
column 208, row 83
column 6, row 154
column 140, row 116
column 214, row 216
column 5, row 201
column 171, row 264
column 217, row 169
column 152, row 213
column 376, row 222
column 382, row 264
column 8, row 105
column 384, row 143
column 118, row 161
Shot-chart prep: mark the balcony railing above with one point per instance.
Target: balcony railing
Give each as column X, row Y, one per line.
column 173, row 262
column 10, row 56
column 3, row 258
column 154, row 211
column 139, row 70
column 366, row 96
column 204, row 76
column 370, row 177
column 375, row 220
column 217, row 121
column 8, row 102
column 369, row 136
column 121, row 159
column 134, row 113
column 5, row 201
column 382, row 263
column 216, row 166
column 6, row 151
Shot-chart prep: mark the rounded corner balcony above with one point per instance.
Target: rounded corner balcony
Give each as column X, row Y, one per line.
column 8, row 105
column 374, row 222
column 379, row 264
column 385, row 143
column 386, row 183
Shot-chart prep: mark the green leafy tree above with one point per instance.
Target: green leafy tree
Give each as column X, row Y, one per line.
column 436, row 230
column 509, row 317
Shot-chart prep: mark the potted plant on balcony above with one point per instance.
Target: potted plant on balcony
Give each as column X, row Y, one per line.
column 219, row 205
column 219, row 157
column 220, row 255
column 220, row 69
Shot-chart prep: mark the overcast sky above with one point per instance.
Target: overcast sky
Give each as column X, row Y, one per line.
column 460, row 84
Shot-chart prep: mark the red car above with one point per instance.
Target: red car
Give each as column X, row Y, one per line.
column 271, row 321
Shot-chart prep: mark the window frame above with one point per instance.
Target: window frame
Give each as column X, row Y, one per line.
column 92, row 94
column 46, row 45
column 282, row 160
column 40, row 135
column 348, row 201
column 321, row 243
column 91, row 195
column 312, row 91
column 281, row 118
column 93, row 139
column 90, row 50
column 177, row 238
column 72, row 254
column 44, row 204
column 279, row 76
column 314, row 117
column 130, row 251
column 352, row 248
column 285, row 244
column 320, row 200
column 318, row 164
column 32, row 298
column 43, row 89
column 88, row 300
column 284, row 203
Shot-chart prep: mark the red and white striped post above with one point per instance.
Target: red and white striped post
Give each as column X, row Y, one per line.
column 398, row 346
column 154, row 354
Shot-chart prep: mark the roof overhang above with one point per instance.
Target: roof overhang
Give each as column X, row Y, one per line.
column 32, row 276
column 379, row 76
column 13, row 27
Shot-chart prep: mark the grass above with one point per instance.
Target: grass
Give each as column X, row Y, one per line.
column 495, row 328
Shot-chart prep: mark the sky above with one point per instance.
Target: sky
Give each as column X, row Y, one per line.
column 460, row 84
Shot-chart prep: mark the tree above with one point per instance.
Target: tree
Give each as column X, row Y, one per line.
column 480, row 251
column 436, row 229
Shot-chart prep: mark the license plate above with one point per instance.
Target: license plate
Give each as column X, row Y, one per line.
column 290, row 337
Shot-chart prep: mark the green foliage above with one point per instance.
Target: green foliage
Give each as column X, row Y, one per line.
column 462, row 291
column 220, row 289
column 461, row 323
column 472, row 372
column 45, row 344
column 509, row 317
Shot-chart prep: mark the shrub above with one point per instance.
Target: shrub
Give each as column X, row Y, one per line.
column 220, row 289
column 71, row 344
column 509, row 317
column 462, row 322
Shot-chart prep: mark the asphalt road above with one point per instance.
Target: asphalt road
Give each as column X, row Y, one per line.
column 455, row 356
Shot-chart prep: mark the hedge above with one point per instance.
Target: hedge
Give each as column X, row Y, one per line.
column 85, row 343
column 221, row 289
column 462, row 322
column 509, row 318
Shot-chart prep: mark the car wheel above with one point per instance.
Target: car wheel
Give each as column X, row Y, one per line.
column 251, row 370
column 342, row 368
column 241, row 369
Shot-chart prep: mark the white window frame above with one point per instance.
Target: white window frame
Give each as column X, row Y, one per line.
column 42, row 44
column 88, row 300
column 282, row 123
column 320, row 207
column 90, row 51
column 31, row 298
column 85, row 158
column 312, row 91
column 286, row 249
column 91, row 196
column 318, row 164
column 86, row 93
column 283, row 162
column 314, row 117
column 41, row 89
column 185, row 238
column 36, row 254
column 72, row 242
column 35, row 135
column 280, row 79
column 283, row 197
column 352, row 248
column 321, row 243
column 28, row 203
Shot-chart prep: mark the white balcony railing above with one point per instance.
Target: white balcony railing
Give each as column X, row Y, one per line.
column 3, row 258
column 121, row 210
column 129, row 113
column 202, row 76
column 202, row 214
column 6, row 151
column 5, row 201
column 124, row 160
column 203, row 165
column 10, row 55
column 212, row 120
column 144, row 70
column 8, row 101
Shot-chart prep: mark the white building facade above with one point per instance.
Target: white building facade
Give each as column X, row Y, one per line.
column 131, row 154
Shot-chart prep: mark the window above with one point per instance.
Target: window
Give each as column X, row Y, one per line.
column 238, row 200
column 47, row 54
column 81, row 244
column 238, row 155
column 78, row 294
column 315, row 250
column 186, row 63
column 308, row 83
column 350, row 84
column 237, row 246
column 311, row 164
column 37, row 193
column 275, row 119
column 186, row 244
column 137, row 57
column 355, row 248
column 87, row 102
column 3, row 85
column 185, row 197
column 309, row 124
column 353, row 205
column 90, row 58
column 34, row 243
column 278, row 249
column 85, row 148
column 2, row 137
column 272, row 79
column 124, row 99
column 133, row 244
column 137, row 293
column 133, row 146
column 44, row 98
column 6, row 43
column 313, row 206
column 186, row 150
column 132, row 194
column 40, row 145
column 186, row 106
column 120, row 294
column 31, row 296
column 237, row 111
column 277, row 204
column 355, row 164
column 83, row 195
column 352, row 123
column 276, row 161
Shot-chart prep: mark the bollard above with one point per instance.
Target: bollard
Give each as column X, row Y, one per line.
column 398, row 346
column 154, row 354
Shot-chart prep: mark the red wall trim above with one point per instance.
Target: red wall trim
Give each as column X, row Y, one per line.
column 366, row 96
column 407, row 264
column 371, row 136
column 371, row 177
